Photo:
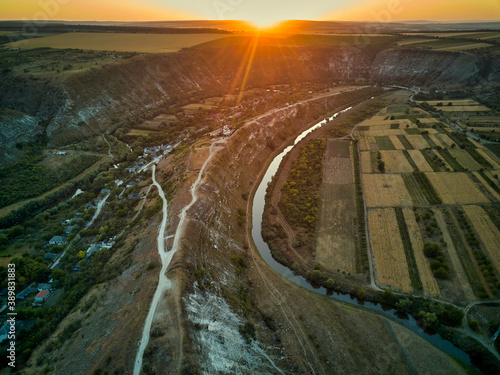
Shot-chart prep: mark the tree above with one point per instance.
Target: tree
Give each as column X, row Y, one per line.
column 404, row 304
column 361, row 293
column 429, row 319
column 330, row 284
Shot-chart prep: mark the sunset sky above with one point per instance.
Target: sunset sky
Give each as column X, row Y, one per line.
column 262, row 12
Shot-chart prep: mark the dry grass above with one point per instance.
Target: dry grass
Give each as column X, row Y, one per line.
column 456, row 188
column 396, row 162
column 397, row 143
column 147, row 43
column 487, row 230
column 465, row 47
column 139, row 132
column 428, row 281
column 420, row 161
column 465, row 159
column 385, row 190
column 417, row 141
column 388, row 251
column 366, row 162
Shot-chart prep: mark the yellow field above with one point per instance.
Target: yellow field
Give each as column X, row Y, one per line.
column 417, row 141
column 487, row 186
column 385, row 190
column 387, row 250
column 428, row 281
column 465, row 159
column 420, row 161
column 373, row 120
column 456, row 187
column 412, row 41
column 492, row 174
column 366, row 162
column 446, row 139
column 437, row 141
column 396, row 162
column 397, row 143
column 430, row 120
column 147, row 43
column 465, row 108
column 364, row 145
column 487, row 230
column 491, row 157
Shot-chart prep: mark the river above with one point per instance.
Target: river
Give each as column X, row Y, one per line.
column 257, row 215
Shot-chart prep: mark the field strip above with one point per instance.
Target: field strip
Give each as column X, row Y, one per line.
column 396, row 162
column 387, row 248
column 384, row 133
column 428, row 281
column 397, row 143
column 456, row 187
column 445, row 163
column 494, row 161
column 366, row 162
column 417, row 141
column 420, row 161
column 487, row 230
column 428, row 120
column 465, row 108
column 465, row 159
column 487, row 186
column 446, row 139
column 364, row 145
column 386, row 190
column 454, row 257
column 436, row 140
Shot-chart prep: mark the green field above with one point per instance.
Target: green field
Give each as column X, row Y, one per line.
column 144, row 43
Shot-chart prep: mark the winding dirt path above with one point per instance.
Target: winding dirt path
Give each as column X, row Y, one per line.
column 166, row 257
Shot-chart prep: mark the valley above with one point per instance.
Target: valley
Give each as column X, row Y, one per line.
column 375, row 247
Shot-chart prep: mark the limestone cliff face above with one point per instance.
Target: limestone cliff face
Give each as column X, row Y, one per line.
column 426, row 68
column 88, row 103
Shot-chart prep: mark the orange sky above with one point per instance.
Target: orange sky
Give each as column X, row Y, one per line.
column 259, row 11
column 91, row 10
column 433, row 10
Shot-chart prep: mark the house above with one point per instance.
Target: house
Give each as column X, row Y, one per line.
column 93, row 248
column 23, row 294
column 42, row 295
column 43, row 286
column 50, row 256
column 69, row 229
column 105, row 191
column 132, row 169
column 133, row 196
column 130, row 185
column 57, row 240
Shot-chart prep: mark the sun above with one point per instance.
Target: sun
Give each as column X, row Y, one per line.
column 265, row 22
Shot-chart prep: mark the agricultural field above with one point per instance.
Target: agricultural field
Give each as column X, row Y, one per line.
column 456, row 188
column 387, row 249
column 465, row 159
column 336, row 247
column 450, row 45
column 417, row 141
column 409, row 172
column 143, row 43
column 429, row 283
column 139, row 132
column 385, row 190
column 396, row 162
column 420, row 161
column 487, row 231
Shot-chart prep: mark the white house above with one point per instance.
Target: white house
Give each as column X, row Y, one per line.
column 57, row 240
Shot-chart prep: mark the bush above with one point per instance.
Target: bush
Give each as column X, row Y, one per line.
column 431, row 250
